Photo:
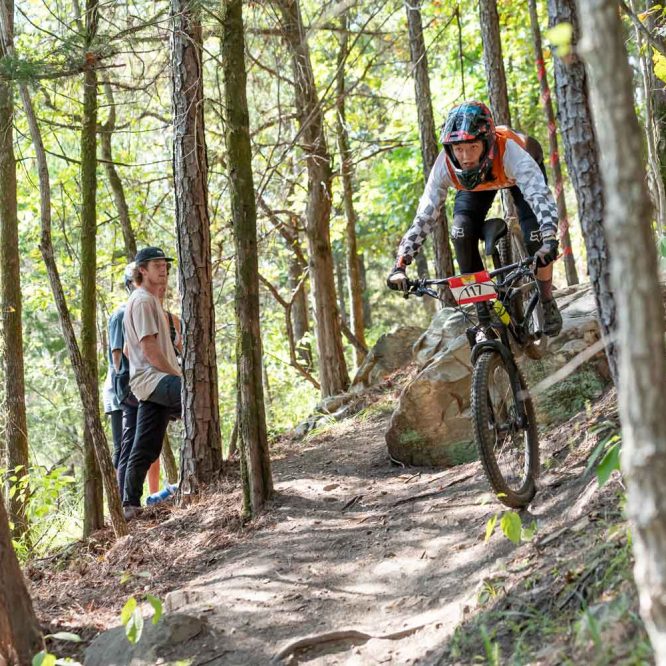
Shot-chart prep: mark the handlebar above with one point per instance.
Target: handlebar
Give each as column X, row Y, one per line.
column 421, row 286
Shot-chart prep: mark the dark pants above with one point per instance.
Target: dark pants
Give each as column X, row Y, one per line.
column 469, row 214
column 116, row 418
column 153, row 416
column 130, row 407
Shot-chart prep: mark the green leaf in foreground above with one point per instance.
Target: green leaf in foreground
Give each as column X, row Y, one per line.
column 511, row 526
column 490, row 527
column 157, row 607
column 43, row 658
column 609, row 463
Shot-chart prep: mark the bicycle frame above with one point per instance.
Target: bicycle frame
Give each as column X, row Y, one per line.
column 478, row 338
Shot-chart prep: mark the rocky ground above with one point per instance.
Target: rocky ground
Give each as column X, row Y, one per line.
column 359, row 560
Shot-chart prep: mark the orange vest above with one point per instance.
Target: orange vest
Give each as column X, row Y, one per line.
column 499, row 179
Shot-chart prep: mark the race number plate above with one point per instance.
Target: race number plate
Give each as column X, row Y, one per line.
column 472, row 288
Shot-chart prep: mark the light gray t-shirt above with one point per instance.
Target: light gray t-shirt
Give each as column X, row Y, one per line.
column 144, row 316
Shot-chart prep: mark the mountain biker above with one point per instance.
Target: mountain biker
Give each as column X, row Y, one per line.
column 477, row 160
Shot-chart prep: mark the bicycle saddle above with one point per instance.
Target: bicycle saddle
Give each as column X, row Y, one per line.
column 493, row 229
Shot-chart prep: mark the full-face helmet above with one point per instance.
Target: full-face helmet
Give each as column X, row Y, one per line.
column 470, row 121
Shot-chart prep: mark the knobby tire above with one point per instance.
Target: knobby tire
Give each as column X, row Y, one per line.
column 511, row 465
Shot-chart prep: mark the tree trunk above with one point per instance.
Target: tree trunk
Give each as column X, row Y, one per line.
column 202, row 445
column 339, row 263
column 20, row 637
column 11, row 347
column 582, row 156
column 332, row 367
column 83, row 380
column 93, row 507
column 253, row 441
column 112, row 176
column 299, row 309
column 546, row 101
column 367, row 310
column 640, row 330
column 169, row 461
column 353, row 269
column 655, row 179
column 427, row 133
column 493, row 62
column 496, row 77
column 654, row 22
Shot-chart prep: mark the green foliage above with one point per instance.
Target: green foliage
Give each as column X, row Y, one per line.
column 132, row 620
column 512, row 527
column 45, row 658
column 49, row 493
column 561, row 36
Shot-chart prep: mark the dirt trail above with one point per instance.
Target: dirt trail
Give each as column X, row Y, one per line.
column 360, row 545
column 380, row 563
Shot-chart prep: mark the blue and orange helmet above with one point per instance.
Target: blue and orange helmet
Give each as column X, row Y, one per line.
column 470, row 121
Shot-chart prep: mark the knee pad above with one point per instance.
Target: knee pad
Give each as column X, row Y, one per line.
column 465, row 242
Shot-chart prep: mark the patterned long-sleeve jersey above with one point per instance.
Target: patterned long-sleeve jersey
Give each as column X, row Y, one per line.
column 513, row 165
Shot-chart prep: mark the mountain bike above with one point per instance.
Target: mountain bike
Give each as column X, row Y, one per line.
column 505, row 427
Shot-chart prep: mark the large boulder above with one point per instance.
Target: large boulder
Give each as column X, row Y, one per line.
column 177, row 638
column 391, row 352
column 432, row 423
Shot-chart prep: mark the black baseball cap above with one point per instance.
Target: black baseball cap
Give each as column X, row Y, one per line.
column 149, row 253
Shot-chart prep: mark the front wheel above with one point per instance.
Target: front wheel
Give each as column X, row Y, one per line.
column 505, row 430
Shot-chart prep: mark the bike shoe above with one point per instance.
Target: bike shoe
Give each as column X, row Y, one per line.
column 552, row 324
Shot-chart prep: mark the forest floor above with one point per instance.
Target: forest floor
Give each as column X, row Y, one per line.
column 371, row 563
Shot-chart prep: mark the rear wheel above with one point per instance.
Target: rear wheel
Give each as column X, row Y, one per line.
column 508, row 449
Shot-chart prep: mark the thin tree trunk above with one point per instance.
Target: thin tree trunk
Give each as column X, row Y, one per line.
column 299, row 309
column 20, row 637
column 496, row 78
column 93, row 500
column 346, row 169
column 169, row 460
column 332, row 367
column 202, row 446
column 11, row 347
column 634, row 274
column 655, row 179
column 582, row 156
column 83, row 380
column 547, row 102
column 427, row 133
column 339, row 263
column 253, row 440
column 367, row 310
column 116, row 185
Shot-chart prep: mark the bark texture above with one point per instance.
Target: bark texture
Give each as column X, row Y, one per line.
column 93, row 508
column 116, row 185
column 493, row 62
column 252, row 437
column 582, row 156
column 497, row 90
column 655, row 180
column 202, row 445
column 634, row 273
column 353, row 268
column 547, row 102
column 332, row 367
column 11, row 345
column 427, row 132
column 83, row 380
column 20, row 637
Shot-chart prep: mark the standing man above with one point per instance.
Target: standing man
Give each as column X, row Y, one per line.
column 155, row 377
